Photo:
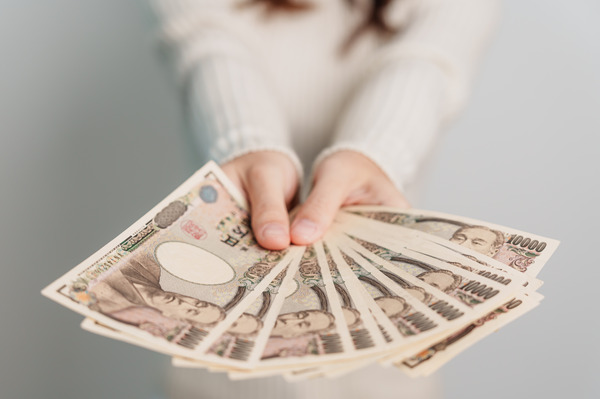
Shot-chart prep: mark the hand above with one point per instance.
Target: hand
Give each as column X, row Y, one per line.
column 270, row 182
column 344, row 178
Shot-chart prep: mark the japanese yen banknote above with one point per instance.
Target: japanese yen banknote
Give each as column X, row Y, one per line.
column 403, row 287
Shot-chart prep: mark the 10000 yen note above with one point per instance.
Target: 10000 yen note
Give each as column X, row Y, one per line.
column 444, row 349
column 182, row 274
column 366, row 336
column 242, row 344
column 456, row 341
column 438, row 277
column 311, row 326
column 431, row 359
column 350, row 290
column 365, row 331
column 430, row 245
column 411, row 319
column 361, row 331
column 407, row 287
column 523, row 251
column 402, row 319
column 235, row 348
column 432, row 296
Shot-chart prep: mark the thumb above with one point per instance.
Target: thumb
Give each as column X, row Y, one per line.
column 266, row 189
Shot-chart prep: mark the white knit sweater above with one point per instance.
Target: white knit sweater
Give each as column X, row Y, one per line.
column 254, row 83
column 281, row 84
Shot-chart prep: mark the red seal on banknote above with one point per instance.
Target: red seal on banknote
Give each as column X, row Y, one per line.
column 193, row 230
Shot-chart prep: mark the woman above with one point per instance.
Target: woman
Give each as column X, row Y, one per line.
column 359, row 89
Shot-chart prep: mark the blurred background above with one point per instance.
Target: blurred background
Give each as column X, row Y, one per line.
column 91, row 138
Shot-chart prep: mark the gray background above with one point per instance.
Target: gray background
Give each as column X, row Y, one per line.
column 91, row 139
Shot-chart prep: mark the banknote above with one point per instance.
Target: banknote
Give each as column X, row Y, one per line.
column 409, row 288
column 350, row 292
column 349, row 223
column 438, row 354
column 460, row 259
column 459, row 340
column 476, row 263
column 418, row 325
column 410, row 317
column 440, row 278
column 445, row 306
column 431, row 359
column 241, row 345
column 364, row 330
column 523, row 251
column 398, row 327
column 445, row 349
column 243, row 342
column 182, row 274
column 310, row 328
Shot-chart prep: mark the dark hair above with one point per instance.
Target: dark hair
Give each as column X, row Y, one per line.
column 374, row 20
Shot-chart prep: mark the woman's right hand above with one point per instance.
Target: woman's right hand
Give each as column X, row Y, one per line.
column 269, row 181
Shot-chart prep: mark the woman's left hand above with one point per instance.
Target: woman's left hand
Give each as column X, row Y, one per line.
column 343, row 178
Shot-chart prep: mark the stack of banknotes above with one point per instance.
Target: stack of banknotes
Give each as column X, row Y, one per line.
column 403, row 287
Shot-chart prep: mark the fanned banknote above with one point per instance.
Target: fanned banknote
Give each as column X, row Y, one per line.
column 179, row 276
column 523, row 251
column 428, row 244
column 407, row 287
column 435, row 356
column 465, row 291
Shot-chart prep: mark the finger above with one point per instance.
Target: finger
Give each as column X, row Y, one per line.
column 234, row 175
column 316, row 214
column 266, row 193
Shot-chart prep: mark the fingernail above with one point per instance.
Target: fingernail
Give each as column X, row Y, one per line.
column 305, row 229
column 273, row 230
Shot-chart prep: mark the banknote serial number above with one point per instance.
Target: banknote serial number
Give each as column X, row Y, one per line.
column 526, row 242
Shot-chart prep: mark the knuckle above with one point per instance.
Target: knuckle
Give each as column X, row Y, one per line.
column 258, row 172
column 317, row 209
column 262, row 215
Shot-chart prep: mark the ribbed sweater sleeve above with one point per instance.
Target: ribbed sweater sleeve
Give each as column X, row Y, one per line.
column 230, row 105
column 415, row 83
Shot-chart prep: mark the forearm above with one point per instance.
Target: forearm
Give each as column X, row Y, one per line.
column 231, row 110
column 230, row 104
column 394, row 118
column 415, row 84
